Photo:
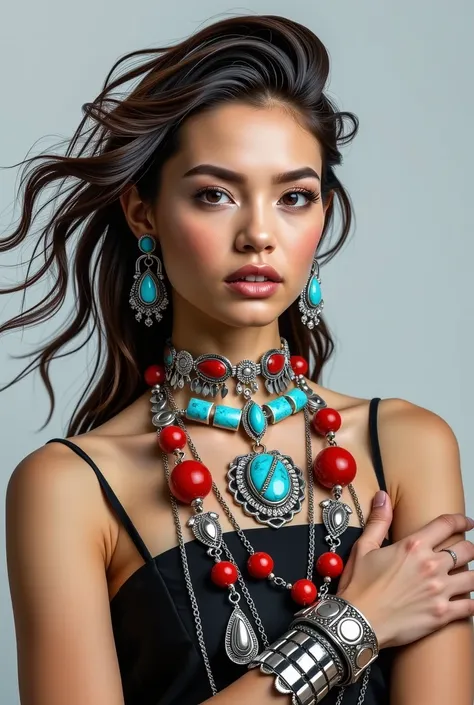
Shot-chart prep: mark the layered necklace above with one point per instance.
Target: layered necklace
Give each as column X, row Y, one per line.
column 265, row 484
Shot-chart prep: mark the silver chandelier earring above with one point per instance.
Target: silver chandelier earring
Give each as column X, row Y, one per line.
column 311, row 302
column 148, row 294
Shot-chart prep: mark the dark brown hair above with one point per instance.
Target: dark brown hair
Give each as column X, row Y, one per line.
column 126, row 135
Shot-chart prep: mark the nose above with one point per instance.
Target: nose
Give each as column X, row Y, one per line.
column 257, row 233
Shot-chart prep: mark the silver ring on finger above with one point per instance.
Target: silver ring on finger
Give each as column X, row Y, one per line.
column 453, row 555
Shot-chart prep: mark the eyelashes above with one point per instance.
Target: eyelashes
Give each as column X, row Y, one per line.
column 312, row 196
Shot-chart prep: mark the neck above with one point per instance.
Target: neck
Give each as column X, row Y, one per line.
column 198, row 334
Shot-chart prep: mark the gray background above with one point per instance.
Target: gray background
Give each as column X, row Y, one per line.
column 398, row 298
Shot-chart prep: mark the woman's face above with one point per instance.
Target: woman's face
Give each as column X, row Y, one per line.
column 224, row 204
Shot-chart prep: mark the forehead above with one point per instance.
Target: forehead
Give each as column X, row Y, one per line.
column 248, row 139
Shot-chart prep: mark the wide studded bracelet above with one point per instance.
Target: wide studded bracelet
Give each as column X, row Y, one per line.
column 304, row 664
column 346, row 629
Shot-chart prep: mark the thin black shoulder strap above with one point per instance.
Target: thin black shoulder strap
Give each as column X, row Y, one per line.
column 113, row 499
column 374, row 443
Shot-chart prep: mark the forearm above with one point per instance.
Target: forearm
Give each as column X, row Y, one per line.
column 252, row 687
column 438, row 669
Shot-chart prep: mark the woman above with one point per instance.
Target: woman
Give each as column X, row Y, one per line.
column 200, row 201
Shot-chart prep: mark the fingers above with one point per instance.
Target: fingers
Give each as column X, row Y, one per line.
column 440, row 529
column 459, row 609
column 347, row 574
column 377, row 525
column 461, row 584
column 464, row 551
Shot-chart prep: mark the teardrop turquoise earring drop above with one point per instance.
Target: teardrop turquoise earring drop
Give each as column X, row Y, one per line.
column 148, row 294
column 311, row 302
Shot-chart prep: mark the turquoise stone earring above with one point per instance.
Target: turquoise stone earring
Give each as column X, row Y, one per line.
column 311, row 302
column 148, row 294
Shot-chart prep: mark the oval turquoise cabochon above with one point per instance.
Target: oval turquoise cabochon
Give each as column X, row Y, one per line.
column 314, row 292
column 146, row 244
column 280, row 484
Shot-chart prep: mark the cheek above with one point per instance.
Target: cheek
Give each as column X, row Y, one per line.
column 302, row 252
column 190, row 245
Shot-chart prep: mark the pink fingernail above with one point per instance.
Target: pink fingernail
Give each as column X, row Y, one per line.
column 380, row 498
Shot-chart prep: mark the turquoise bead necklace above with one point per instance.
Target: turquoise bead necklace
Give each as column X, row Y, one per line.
column 253, row 416
column 268, row 485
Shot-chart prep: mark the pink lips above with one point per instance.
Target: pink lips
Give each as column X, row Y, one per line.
column 258, row 270
column 255, row 290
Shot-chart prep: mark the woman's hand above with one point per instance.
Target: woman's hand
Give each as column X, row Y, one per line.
column 405, row 590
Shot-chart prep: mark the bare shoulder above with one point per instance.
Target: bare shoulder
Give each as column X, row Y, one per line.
column 422, row 464
column 58, row 548
column 415, row 437
column 417, row 445
column 52, row 486
column 406, row 430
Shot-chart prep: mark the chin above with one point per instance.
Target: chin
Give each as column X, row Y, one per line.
column 253, row 314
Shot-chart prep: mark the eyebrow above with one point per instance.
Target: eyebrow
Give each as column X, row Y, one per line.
column 235, row 177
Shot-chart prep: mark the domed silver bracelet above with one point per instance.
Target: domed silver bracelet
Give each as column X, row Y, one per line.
column 329, row 643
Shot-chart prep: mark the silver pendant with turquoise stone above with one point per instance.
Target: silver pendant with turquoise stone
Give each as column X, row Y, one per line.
column 311, row 302
column 254, row 421
column 148, row 293
column 267, row 485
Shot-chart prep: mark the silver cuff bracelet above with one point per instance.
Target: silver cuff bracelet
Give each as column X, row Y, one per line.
column 346, row 629
column 303, row 665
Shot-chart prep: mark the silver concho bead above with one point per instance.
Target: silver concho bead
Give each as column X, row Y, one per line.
column 163, row 418
column 159, row 405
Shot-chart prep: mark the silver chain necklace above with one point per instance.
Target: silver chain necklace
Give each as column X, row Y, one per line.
column 248, row 546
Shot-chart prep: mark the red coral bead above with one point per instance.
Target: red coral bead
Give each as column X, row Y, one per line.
column 172, row 438
column 260, row 565
column 224, row 574
column 190, row 480
column 326, row 420
column 298, row 365
column 212, row 368
column 334, row 466
column 304, row 592
column 155, row 374
column 330, row 565
column 275, row 363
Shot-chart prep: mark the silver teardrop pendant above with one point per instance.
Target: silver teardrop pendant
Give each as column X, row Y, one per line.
column 241, row 643
column 206, row 528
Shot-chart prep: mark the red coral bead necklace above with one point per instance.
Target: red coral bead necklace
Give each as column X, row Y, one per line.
column 334, row 467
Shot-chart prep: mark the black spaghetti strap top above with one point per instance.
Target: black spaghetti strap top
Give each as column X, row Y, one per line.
column 154, row 630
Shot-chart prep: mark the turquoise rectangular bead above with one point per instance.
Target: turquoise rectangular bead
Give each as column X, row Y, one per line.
column 227, row 417
column 199, row 410
column 280, row 408
column 298, row 399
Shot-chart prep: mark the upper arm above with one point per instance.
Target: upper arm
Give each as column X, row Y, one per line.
column 56, row 561
column 421, row 460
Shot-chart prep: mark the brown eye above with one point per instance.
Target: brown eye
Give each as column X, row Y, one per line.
column 213, row 196
column 292, row 197
column 310, row 196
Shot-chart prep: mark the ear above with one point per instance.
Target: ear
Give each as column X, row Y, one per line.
column 328, row 202
column 138, row 214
